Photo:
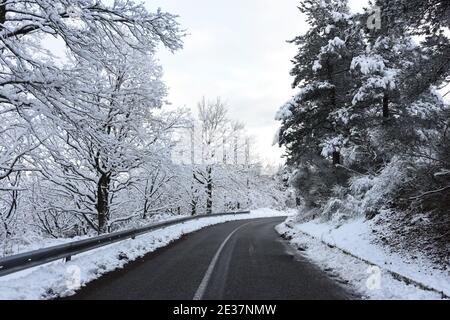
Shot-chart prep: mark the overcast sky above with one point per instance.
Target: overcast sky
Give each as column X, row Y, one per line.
column 236, row 49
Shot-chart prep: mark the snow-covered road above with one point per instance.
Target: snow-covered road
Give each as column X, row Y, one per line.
column 62, row 279
column 241, row 260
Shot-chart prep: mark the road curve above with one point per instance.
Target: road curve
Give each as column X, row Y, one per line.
column 240, row 260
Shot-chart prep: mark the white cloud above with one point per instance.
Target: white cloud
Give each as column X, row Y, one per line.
column 238, row 50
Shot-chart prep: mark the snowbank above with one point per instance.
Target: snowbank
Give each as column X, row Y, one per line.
column 59, row 279
column 351, row 254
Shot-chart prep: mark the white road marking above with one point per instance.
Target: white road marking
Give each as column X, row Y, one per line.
column 204, row 284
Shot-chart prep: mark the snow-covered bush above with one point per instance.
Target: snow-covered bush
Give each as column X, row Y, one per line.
column 366, row 195
column 377, row 191
column 315, row 181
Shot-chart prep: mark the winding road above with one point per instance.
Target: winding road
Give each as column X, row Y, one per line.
column 240, row 260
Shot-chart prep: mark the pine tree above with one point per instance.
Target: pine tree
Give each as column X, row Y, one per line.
column 393, row 74
column 315, row 121
column 429, row 20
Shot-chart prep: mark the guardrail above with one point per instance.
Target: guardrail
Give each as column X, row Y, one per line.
column 39, row 257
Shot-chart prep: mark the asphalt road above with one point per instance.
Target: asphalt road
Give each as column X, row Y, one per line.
column 241, row 260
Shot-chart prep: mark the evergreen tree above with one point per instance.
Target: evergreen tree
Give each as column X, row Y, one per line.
column 315, row 121
column 393, row 76
column 429, row 20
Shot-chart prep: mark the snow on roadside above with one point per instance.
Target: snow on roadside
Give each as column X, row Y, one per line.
column 35, row 242
column 370, row 275
column 59, row 279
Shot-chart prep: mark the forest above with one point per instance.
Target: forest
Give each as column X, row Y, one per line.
column 89, row 143
column 368, row 133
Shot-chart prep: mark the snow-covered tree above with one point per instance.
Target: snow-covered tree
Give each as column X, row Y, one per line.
column 120, row 134
column 216, row 131
column 317, row 123
column 33, row 77
column 315, row 120
column 78, row 113
column 382, row 120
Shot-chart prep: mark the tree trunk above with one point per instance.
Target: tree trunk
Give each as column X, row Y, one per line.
column 333, row 102
column 224, row 150
column 336, row 158
column 193, row 207
column 333, row 95
column 235, row 150
column 103, row 202
column 386, row 113
column 145, row 215
column 2, row 15
column 194, row 198
column 209, row 191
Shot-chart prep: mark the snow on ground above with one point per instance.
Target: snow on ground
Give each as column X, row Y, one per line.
column 350, row 254
column 59, row 279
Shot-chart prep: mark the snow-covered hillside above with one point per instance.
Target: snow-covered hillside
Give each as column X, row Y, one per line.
column 352, row 253
column 368, row 142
